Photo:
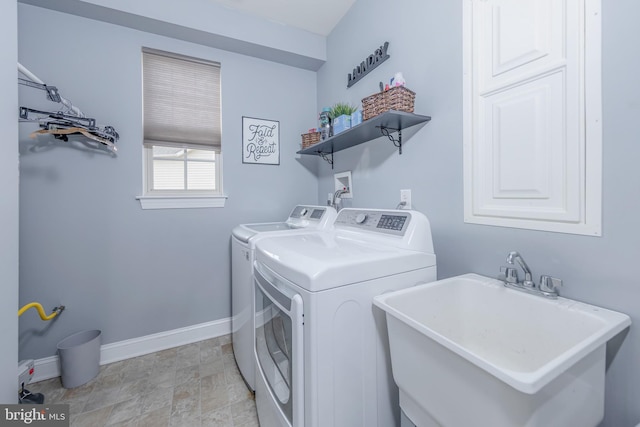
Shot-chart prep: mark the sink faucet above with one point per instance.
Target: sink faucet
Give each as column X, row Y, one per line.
column 527, row 273
column 548, row 286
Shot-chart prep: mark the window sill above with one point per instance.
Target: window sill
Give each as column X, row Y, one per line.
column 181, row 202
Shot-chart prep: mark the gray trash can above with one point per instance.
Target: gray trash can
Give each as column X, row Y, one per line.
column 79, row 358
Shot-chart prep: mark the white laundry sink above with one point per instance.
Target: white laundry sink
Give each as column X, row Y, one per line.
column 467, row 349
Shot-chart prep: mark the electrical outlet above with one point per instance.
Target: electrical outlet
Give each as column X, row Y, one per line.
column 405, row 196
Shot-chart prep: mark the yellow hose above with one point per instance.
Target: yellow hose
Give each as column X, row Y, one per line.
column 41, row 312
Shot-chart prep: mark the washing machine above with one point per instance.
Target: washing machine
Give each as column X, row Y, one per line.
column 322, row 354
column 244, row 237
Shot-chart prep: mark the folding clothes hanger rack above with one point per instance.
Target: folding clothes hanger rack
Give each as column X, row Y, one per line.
column 70, row 121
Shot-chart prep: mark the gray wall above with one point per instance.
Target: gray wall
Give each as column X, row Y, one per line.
column 84, row 240
column 426, row 45
column 207, row 23
column 9, row 204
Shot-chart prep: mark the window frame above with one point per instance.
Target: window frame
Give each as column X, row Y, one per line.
column 149, row 168
column 176, row 199
column 170, row 199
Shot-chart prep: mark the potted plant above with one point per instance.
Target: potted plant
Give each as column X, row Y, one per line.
column 341, row 116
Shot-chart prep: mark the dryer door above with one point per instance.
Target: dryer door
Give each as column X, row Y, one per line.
column 279, row 343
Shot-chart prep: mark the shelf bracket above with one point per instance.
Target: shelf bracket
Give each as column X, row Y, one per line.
column 326, row 157
column 396, row 142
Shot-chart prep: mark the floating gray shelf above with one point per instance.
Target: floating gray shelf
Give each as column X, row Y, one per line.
column 382, row 125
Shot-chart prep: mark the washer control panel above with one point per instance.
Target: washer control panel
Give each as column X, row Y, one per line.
column 377, row 221
column 317, row 213
column 303, row 216
column 307, row 212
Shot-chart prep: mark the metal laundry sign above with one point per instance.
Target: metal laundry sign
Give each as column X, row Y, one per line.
column 369, row 64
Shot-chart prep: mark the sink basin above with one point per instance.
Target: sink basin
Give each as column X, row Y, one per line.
column 467, row 348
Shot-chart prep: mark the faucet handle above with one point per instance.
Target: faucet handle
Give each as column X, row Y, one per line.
column 508, row 275
column 549, row 284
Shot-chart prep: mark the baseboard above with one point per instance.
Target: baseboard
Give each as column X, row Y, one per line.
column 49, row 367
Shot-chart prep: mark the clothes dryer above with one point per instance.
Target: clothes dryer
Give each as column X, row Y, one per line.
column 244, row 237
column 322, row 354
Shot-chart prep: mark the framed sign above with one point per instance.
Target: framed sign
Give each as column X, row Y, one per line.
column 260, row 141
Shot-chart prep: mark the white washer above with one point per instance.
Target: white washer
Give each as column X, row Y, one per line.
column 321, row 346
column 244, row 237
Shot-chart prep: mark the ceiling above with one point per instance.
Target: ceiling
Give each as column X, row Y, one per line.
column 319, row 17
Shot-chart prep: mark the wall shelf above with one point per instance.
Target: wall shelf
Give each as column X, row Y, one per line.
column 384, row 124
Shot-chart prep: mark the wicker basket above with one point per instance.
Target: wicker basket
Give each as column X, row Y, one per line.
column 397, row 98
column 308, row 139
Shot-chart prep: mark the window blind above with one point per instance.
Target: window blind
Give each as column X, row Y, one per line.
column 181, row 101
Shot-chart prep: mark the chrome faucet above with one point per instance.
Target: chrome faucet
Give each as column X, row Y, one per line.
column 548, row 286
column 527, row 273
column 335, row 203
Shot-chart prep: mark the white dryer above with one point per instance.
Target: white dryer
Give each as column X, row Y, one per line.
column 321, row 346
column 244, row 237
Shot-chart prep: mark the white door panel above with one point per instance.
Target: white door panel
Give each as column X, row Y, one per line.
column 525, row 96
column 525, row 160
column 518, row 39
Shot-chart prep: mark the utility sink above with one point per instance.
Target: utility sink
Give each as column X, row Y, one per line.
column 469, row 351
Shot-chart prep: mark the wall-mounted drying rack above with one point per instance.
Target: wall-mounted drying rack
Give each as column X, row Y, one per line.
column 384, row 124
column 61, row 124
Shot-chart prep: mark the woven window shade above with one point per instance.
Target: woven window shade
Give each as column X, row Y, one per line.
column 181, row 101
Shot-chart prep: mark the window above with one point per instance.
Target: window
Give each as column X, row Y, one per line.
column 532, row 107
column 181, row 169
column 182, row 136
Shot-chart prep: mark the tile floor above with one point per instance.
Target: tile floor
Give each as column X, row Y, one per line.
column 196, row 385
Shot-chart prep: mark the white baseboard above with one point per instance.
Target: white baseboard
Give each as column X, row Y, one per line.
column 49, row 367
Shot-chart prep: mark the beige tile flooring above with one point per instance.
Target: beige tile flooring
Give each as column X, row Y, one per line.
column 190, row 386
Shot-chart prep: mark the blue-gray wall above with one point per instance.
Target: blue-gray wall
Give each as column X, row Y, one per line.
column 426, row 45
column 86, row 243
column 207, row 23
column 84, row 240
column 9, row 204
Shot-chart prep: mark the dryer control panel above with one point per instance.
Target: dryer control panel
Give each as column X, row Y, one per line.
column 388, row 222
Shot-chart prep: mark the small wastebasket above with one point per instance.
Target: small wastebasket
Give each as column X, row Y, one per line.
column 79, row 358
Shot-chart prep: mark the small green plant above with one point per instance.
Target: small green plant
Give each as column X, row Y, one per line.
column 342, row 108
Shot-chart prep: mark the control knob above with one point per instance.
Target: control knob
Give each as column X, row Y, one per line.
column 361, row 218
column 303, row 211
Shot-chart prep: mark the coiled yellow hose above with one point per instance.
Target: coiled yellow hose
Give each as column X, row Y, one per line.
column 41, row 312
